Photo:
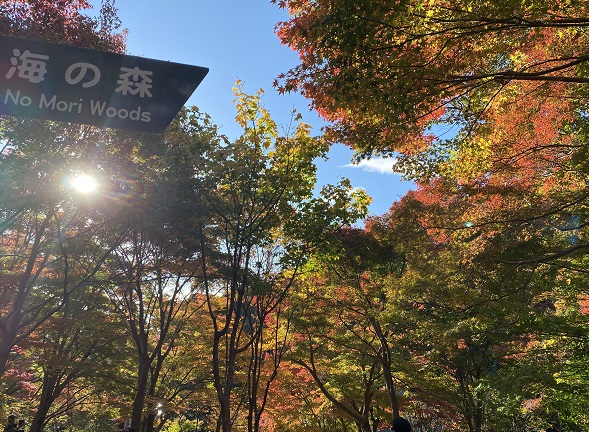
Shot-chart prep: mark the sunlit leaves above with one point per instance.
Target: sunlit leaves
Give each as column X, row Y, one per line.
column 382, row 72
column 64, row 20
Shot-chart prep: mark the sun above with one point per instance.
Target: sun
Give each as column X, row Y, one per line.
column 84, row 183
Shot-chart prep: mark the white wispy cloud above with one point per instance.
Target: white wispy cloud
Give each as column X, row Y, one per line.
column 376, row 164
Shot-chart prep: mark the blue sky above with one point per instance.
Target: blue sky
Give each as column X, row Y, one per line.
column 236, row 40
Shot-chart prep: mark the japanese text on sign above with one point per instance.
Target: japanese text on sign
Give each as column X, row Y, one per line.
column 63, row 83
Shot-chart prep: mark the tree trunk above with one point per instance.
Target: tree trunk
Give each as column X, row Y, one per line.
column 386, row 360
column 224, row 422
column 139, row 401
column 48, row 395
column 7, row 343
column 147, row 425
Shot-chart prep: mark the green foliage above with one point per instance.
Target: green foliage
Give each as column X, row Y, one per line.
column 465, row 307
column 251, row 206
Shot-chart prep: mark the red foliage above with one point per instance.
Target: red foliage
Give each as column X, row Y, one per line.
column 63, row 21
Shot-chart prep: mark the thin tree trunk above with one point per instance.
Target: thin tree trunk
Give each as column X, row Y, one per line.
column 139, row 401
column 386, row 360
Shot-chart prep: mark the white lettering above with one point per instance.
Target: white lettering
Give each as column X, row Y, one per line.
column 25, row 101
column 44, row 103
column 97, row 107
column 133, row 81
column 17, row 99
column 14, row 98
column 135, row 114
column 30, row 66
column 83, row 69
column 61, row 105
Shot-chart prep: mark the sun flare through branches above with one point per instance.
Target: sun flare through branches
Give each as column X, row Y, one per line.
column 84, row 183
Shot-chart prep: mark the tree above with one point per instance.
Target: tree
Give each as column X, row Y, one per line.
column 185, row 390
column 348, row 343
column 63, row 21
column 151, row 291
column 296, row 403
column 492, row 72
column 37, row 221
column 337, row 353
column 269, row 344
column 383, row 73
column 484, row 324
column 154, row 273
column 77, row 343
column 256, row 216
column 504, row 195
column 43, row 232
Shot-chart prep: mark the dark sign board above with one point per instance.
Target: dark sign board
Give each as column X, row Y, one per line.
column 64, row 83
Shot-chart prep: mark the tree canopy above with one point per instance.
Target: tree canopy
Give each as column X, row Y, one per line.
column 207, row 285
column 384, row 72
